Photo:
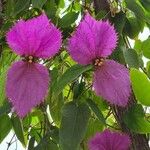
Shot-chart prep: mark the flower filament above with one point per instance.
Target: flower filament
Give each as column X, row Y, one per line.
column 98, row 62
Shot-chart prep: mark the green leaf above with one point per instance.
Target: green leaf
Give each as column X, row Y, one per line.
column 7, row 57
column 141, row 86
column 35, row 134
column 18, row 128
column 138, row 46
column 101, row 14
column 68, row 19
column 71, row 74
column 133, row 26
column 54, row 134
column 49, row 141
column 97, row 111
column 73, row 125
column 78, row 89
column 31, row 143
column 134, row 119
column 101, row 104
column 137, row 9
column 117, row 55
column 55, row 108
column 141, row 61
column 2, row 86
column 119, row 21
column 148, row 68
column 146, row 4
column 21, row 5
column 38, row 3
column 93, row 127
column 46, row 144
column 146, row 48
column 10, row 4
column 5, row 126
column 60, row 3
column 131, row 58
column 5, row 108
column 50, row 8
column 77, row 6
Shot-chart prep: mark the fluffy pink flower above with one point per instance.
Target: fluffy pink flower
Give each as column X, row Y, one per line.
column 27, row 81
column 108, row 140
column 91, row 43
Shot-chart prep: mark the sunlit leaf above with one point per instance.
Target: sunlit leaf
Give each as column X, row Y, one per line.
column 141, row 86
column 138, row 45
column 146, row 48
column 2, row 86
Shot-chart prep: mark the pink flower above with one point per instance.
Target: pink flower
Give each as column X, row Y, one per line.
column 91, row 43
column 27, row 80
column 108, row 140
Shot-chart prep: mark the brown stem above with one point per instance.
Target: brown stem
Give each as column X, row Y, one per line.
column 139, row 141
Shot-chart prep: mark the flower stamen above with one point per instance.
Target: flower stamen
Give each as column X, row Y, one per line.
column 30, row 59
column 98, row 62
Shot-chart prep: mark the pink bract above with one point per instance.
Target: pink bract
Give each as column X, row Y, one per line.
column 37, row 37
column 92, row 39
column 111, row 81
column 95, row 40
column 108, row 140
column 26, row 86
column 27, row 81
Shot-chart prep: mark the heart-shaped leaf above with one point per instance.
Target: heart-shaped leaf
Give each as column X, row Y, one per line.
column 141, row 86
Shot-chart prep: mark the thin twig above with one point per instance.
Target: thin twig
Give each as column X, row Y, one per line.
column 9, row 144
column 109, row 113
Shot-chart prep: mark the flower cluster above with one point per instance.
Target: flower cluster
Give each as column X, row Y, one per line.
column 27, row 80
column 108, row 140
column 92, row 42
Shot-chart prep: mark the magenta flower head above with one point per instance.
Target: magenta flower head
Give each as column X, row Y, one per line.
column 91, row 43
column 108, row 140
column 27, row 80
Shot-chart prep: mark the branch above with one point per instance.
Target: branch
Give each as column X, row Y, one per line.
column 9, row 144
column 139, row 141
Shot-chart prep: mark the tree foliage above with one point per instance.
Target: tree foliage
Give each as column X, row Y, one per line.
column 72, row 113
